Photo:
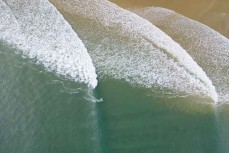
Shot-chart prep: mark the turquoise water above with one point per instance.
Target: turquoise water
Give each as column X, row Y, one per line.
column 43, row 113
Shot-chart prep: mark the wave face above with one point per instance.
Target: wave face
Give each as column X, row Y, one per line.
column 128, row 47
column 40, row 32
column 209, row 48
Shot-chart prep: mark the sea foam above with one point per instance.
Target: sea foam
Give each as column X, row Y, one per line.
column 207, row 47
column 127, row 47
column 40, row 32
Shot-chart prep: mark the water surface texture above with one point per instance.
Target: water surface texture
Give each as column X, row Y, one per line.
column 125, row 46
column 207, row 47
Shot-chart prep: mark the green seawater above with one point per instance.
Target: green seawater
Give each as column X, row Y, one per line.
column 43, row 113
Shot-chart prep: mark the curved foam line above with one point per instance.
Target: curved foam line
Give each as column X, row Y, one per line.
column 126, row 46
column 37, row 29
column 209, row 48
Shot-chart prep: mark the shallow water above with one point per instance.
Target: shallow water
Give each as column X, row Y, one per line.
column 213, row 13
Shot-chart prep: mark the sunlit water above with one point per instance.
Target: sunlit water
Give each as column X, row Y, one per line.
column 43, row 113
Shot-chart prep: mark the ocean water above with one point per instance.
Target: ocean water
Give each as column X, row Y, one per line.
column 42, row 112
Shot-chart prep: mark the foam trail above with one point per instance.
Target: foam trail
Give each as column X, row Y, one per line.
column 208, row 48
column 37, row 29
column 128, row 47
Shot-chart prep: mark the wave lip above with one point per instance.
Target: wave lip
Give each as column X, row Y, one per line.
column 40, row 32
column 128, row 47
column 208, row 48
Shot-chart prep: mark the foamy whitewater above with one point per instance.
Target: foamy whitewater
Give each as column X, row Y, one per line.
column 207, row 47
column 128, row 47
column 40, row 32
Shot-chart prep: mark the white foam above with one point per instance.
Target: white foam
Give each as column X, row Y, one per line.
column 209, row 48
column 128, row 47
column 37, row 29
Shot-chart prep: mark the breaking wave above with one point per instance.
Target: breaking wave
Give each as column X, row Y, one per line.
column 128, row 47
column 207, row 47
column 40, row 32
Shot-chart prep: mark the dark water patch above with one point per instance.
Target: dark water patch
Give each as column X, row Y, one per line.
column 134, row 122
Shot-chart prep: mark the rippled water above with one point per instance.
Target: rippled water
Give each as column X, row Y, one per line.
column 41, row 112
